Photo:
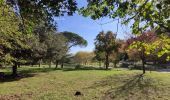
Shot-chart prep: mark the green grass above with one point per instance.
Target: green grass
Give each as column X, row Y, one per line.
column 116, row 84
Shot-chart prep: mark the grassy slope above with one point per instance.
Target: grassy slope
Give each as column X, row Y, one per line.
column 115, row 84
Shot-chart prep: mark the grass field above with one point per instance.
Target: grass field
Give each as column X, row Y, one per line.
column 116, row 84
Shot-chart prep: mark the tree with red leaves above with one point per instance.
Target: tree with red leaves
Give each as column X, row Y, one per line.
column 139, row 44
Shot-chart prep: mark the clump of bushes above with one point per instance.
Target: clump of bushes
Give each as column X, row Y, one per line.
column 123, row 65
column 78, row 66
column 131, row 67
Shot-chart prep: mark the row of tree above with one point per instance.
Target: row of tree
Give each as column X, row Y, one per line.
column 25, row 40
column 146, row 47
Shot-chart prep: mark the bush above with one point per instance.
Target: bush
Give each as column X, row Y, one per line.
column 123, row 64
column 138, row 67
column 78, row 66
column 131, row 67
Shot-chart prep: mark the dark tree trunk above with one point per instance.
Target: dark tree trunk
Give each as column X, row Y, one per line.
column 143, row 66
column 155, row 61
column 107, row 61
column 115, row 62
column 14, row 70
column 19, row 65
column 62, row 65
column 143, row 60
column 32, row 64
column 85, row 63
column 56, row 64
column 39, row 65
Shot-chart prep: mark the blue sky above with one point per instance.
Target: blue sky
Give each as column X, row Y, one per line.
column 87, row 28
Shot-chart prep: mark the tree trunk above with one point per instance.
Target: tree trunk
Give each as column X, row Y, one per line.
column 62, row 65
column 39, row 64
column 143, row 66
column 143, row 60
column 107, row 61
column 85, row 63
column 19, row 65
column 115, row 62
column 14, row 70
column 56, row 66
column 50, row 64
column 99, row 63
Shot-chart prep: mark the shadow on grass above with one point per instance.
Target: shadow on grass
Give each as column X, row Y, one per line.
column 25, row 73
column 127, row 87
column 10, row 78
column 37, row 70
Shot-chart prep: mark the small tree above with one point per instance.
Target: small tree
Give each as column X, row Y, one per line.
column 56, row 48
column 82, row 57
column 106, row 43
column 71, row 40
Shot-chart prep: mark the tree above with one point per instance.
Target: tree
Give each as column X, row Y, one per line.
column 74, row 39
column 139, row 43
column 32, row 12
column 160, row 48
column 106, row 43
column 117, row 55
column 39, row 50
column 82, row 57
column 12, row 42
column 143, row 14
column 21, row 18
column 56, row 47
column 71, row 40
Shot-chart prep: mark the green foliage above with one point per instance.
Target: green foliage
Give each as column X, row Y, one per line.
column 151, row 45
column 105, row 45
column 99, row 56
column 74, row 39
column 31, row 12
column 160, row 46
column 11, row 38
column 105, row 42
column 78, row 66
column 143, row 14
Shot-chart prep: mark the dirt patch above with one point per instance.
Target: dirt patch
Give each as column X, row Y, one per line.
column 16, row 96
column 10, row 97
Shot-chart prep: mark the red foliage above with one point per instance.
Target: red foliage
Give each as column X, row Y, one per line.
column 146, row 37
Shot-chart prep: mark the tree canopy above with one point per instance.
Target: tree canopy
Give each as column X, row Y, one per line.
column 105, row 43
column 143, row 14
column 74, row 39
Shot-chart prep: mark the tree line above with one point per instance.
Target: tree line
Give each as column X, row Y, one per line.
column 146, row 47
column 28, row 29
column 28, row 41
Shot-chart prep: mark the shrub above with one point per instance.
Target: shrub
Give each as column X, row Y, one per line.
column 78, row 66
column 123, row 64
column 131, row 67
